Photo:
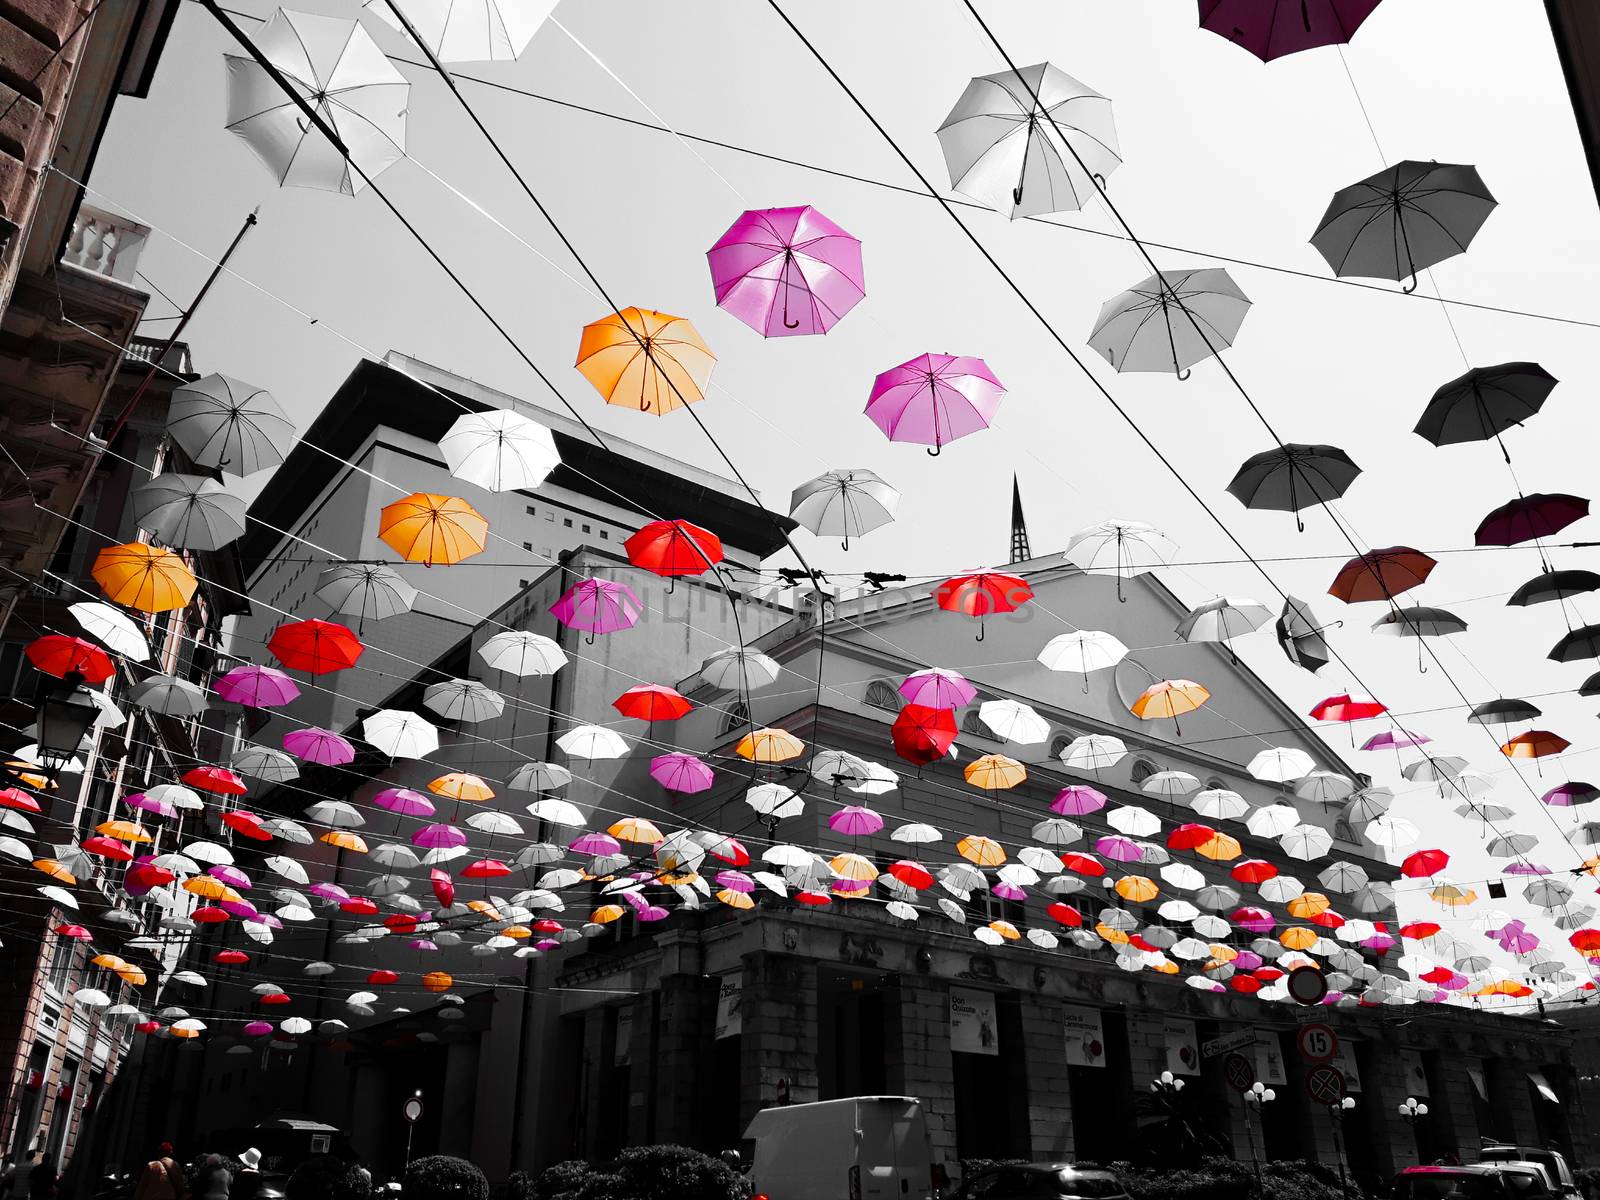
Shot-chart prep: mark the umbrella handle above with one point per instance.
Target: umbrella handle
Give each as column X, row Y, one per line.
column 1299, row 524
column 934, row 453
column 845, row 545
column 1412, row 287
column 1184, row 374
column 980, row 632
column 788, row 324
column 1016, row 194
column 1100, row 179
column 589, row 641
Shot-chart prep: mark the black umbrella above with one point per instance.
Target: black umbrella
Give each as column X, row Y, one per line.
column 1485, row 402
column 1504, row 712
column 1300, row 635
column 1591, row 686
column 1293, row 477
column 1554, row 585
column 1580, row 643
column 1529, row 517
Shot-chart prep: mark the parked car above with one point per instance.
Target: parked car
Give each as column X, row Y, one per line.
column 1562, row 1181
column 1474, row 1181
column 862, row 1147
column 1041, row 1181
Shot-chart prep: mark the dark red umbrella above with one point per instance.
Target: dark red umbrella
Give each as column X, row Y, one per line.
column 671, row 548
column 1529, row 517
column 923, row 735
column 652, row 702
column 1381, row 574
column 59, row 655
column 219, row 780
column 1271, row 30
column 444, row 888
column 981, row 594
column 247, row 824
column 108, row 847
column 315, row 647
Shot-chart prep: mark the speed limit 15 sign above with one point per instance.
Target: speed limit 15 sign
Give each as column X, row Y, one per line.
column 1317, row 1042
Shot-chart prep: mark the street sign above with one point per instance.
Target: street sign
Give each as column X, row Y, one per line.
column 1227, row 1042
column 413, row 1109
column 1325, row 1085
column 1317, row 1042
column 1306, row 985
column 1239, row 1071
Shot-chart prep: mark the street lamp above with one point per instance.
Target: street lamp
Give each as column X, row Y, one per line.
column 1413, row 1110
column 1258, row 1095
column 1337, row 1112
column 66, row 713
column 1168, row 1083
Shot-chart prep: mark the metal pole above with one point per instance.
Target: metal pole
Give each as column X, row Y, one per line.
column 1337, row 1114
column 1255, row 1160
column 411, row 1128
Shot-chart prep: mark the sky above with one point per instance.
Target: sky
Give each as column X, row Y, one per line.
column 1222, row 155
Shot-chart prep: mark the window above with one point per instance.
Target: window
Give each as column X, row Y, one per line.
column 1142, row 770
column 1216, row 785
column 550, row 516
column 1343, row 831
column 882, row 694
column 586, row 529
column 973, row 724
column 1059, row 744
column 531, row 511
column 61, row 956
column 735, row 717
column 567, row 521
column 527, row 545
column 605, row 535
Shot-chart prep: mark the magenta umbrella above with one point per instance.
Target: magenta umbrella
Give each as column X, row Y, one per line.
column 439, row 837
column 735, row 881
column 787, row 271
column 229, row 875
column 1390, row 740
column 934, row 399
column 937, row 687
column 1077, row 800
column 1565, row 795
column 404, row 801
column 681, row 773
column 256, row 687
column 329, row 891
column 1527, row 868
column 1008, row 891
column 161, row 808
column 242, row 909
column 321, row 746
column 594, row 843
column 1381, row 942
column 422, row 944
column 598, row 606
column 1530, row 517
column 1270, row 31
column 257, row 1029
column 855, row 821
column 1516, row 938
column 1120, row 849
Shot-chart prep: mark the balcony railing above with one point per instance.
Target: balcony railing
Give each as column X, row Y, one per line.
column 145, row 350
column 105, row 244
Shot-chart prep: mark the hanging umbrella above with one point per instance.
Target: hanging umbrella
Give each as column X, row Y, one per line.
column 1403, row 220
column 111, row 627
column 59, row 655
column 169, row 695
column 366, row 591
column 787, row 271
column 400, row 734
column 769, row 746
column 674, row 548
column 265, row 763
column 337, row 68
column 1221, row 619
column 499, row 450
column 1271, row 31
column 681, row 773
column 1281, row 764
column 1169, row 698
column 844, row 503
column 1325, row 787
column 256, row 687
column 1504, row 712
column 1381, row 574
column 1306, row 842
column 520, row 653
column 738, row 669
column 1537, row 743
column 1094, row 751
column 1013, row 721
column 1082, row 652
column 598, row 606
column 236, row 427
column 190, row 511
column 316, row 647
column 1028, row 142
column 591, row 742
column 936, row 687
column 923, row 735
column 934, row 399
column 1529, row 517
column 1554, row 585
column 429, row 528
column 981, row 594
column 1484, row 403
column 144, row 577
column 463, row 700
column 1170, row 321
column 477, row 31
column 1219, row 804
column 1300, row 634
column 995, row 772
column 1419, row 621
column 1127, row 548
column 320, row 746
column 1292, row 477
column 645, row 359
column 1077, row 800
column 1565, row 795
column 1583, row 642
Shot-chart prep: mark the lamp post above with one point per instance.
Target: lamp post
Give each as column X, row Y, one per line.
column 1412, row 1112
column 1338, row 1111
column 65, row 715
column 1258, row 1095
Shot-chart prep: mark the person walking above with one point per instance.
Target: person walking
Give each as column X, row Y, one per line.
column 247, row 1180
column 215, row 1182
column 162, row 1178
column 42, row 1179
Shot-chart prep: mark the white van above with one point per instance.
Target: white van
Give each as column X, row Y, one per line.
column 859, row 1148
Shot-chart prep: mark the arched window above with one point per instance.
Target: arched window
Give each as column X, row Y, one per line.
column 1216, row 785
column 1143, row 769
column 882, row 694
column 735, row 717
column 1059, row 743
column 973, row 724
column 1343, row 831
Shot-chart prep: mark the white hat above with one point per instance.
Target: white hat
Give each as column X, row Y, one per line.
column 251, row 1158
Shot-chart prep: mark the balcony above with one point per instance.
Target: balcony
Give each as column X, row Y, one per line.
column 145, row 350
column 106, row 244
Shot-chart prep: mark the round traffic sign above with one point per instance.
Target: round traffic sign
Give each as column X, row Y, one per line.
column 413, row 1109
column 1239, row 1071
column 1306, row 985
column 1325, row 1085
column 1317, row 1042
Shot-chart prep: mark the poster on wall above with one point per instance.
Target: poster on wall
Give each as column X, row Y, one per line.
column 1269, row 1060
column 1183, row 1057
column 730, row 1019
column 620, row 1055
column 1416, row 1077
column 1345, row 1059
column 1085, row 1035
column 973, row 1027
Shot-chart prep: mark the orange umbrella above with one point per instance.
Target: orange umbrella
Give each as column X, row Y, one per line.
column 1137, row 888
column 985, row 852
column 1006, row 930
column 635, row 829
column 144, row 577
column 1169, row 698
column 646, row 360
column 437, row 981
column 133, row 975
column 1536, row 743
column 995, row 772
column 1115, row 936
column 734, row 899
column 853, row 866
column 459, row 785
column 55, row 870
column 428, row 528
column 770, row 746
column 1298, row 937
column 110, row 962
column 1451, row 896
column 127, row 831
column 606, row 914
column 1220, row 848
column 208, row 887
column 1308, row 905
column 345, row 840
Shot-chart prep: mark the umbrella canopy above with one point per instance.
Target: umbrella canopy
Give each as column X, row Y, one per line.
column 592, row 742
column 340, row 72
column 144, row 577
column 1223, row 618
column 1530, row 517
column 598, row 606
column 681, row 773
column 1554, row 585
column 1273, row 30
column 921, row 734
column 1300, row 634
column 1170, row 321
column 995, row 772
column 643, row 359
column 769, row 746
column 265, row 763
column 366, row 591
column 1029, row 141
column 1403, row 220
column 499, row 450
column 400, row 734
column 673, row 548
column 112, row 627
column 1127, row 548
column 256, row 687
column 191, row 511
column 934, row 399
column 60, row 655
column 169, row 695
column 652, row 702
column 1082, row 652
column 738, row 669
column 1504, row 711
column 936, row 687
column 1419, row 621
column 1583, row 642
column 320, row 746
column 1484, row 403
column 981, row 594
column 316, row 647
column 1292, row 477
column 1281, row 764
column 1537, row 743
column 1169, row 698
column 844, row 503
column 463, row 700
column 1014, row 721
column 520, row 653
column 1381, row 574
column 429, row 528
column 475, row 31
column 787, row 271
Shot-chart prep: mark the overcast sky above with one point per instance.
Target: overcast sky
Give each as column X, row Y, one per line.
column 1222, row 155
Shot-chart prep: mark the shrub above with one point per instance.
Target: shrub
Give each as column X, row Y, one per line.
column 1225, row 1179
column 671, row 1173
column 327, row 1177
column 441, row 1177
column 560, row 1181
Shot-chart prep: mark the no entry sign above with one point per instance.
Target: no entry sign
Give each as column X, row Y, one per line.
column 1306, row 985
column 1239, row 1071
column 1325, row 1085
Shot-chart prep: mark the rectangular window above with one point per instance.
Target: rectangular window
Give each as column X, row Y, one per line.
column 605, row 535
column 586, row 529
column 548, row 515
column 567, row 521
column 531, row 512
column 527, row 545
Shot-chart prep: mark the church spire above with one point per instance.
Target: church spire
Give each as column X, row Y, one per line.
column 1019, row 528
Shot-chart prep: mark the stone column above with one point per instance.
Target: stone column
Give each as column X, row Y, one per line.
column 642, row 1050
column 1049, row 1087
column 1383, row 1090
column 685, row 1022
column 779, row 1031
column 1459, row 1114
column 458, row 1105
column 919, row 1059
column 1508, row 1090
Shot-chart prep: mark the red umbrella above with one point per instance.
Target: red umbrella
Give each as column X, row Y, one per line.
column 651, row 702
column 1381, row 574
column 147, row 875
column 315, row 647
column 59, row 655
column 1530, row 517
column 232, row 958
column 1417, row 930
column 358, row 906
column 1345, row 707
column 208, row 915
column 444, row 889
column 108, row 847
column 671, row 548
column 246, row 824
column 485, row 868
column 400, row 922
column 74, row 931
column 215, row 779
column 277, row 998
column 1328, row 919
column 1083, row 864
column 983, row 593
column 1254, row 870
column 1187, row 837
column 1424, row 863
column 912, row 874
column 547, row 925
column 922, row 734
column 1065, row 914
column 17, row 798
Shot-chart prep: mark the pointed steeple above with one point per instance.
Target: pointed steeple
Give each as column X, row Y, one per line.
column 1019, row 527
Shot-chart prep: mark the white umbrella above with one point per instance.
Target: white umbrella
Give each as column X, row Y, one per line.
column 1126, row 548
column 1272, row 821
column 463, row 700
column 916, row 834
column 209, row 852
column 774, row 801
column 470, row 30
column 1219, row 804
column 1170, row 321
column 1281, row 889
column 1510, row 845
column 1325, row 787
column 1082, row 652
column 1014, row 721
column 1223, row 618
column 1281, row 765
column 112, row 627
column 225, row 423
column 880, row 779
column 287, row 868
column 1369, row 804
column 1343, row 877
column 494, row 823
column 265, row 763
column 591, row 742
column 169, row 695
column 1434, row 769
column 393, row 854
column 1093, row 751
column 844, row 504
column 1183, row 877
column 289, row 831
column 1306, row 842
column 340, row 72
column 194, row 512
column 499, row 450
column 366, row 591
column 1028, row 141
column 400, row 734
column 557, row 812
column 737, row 669
column 338, row 814
column 111, row 717
column 1057, row 831
column 1134, row 821
column 1169, row 783
column 520, row 653
column 539, row 777
column 1390, row 831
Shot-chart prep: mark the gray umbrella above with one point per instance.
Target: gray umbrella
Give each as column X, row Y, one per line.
column 1170, row 321
column 367, row 591
column 233, row 426
column 1403, row 220
column 1293, row 476
column 169, row 695
column 265, row 763
column 190, row 511
column 463, row 700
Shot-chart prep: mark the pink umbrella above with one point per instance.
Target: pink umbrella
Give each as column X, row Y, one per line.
column 735, row 881
column 161, row 808
column 1255, row 920
column 256, row 687
column 598, row 606
column 405, row 802
column 594, row 843
column 1247, row 960
column 1565, row 795
column 855, row 821
column 1077, row 800
column 257, row 1028
column 422, row 944
column 1381, row 942
column 1391, row 740
column 1516, row 938
column 851, row 887
column 654, row 912
column 439, row 837
column 229, row 875
column 938, row 688
column 1009, row 891
column 267, row 919
column 321, row 746
column 679, row 773
column 1527, row 868
column 329, row 891
column 239, row 908
column 1120, row 849
column 934, row 399
column 787, row 271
